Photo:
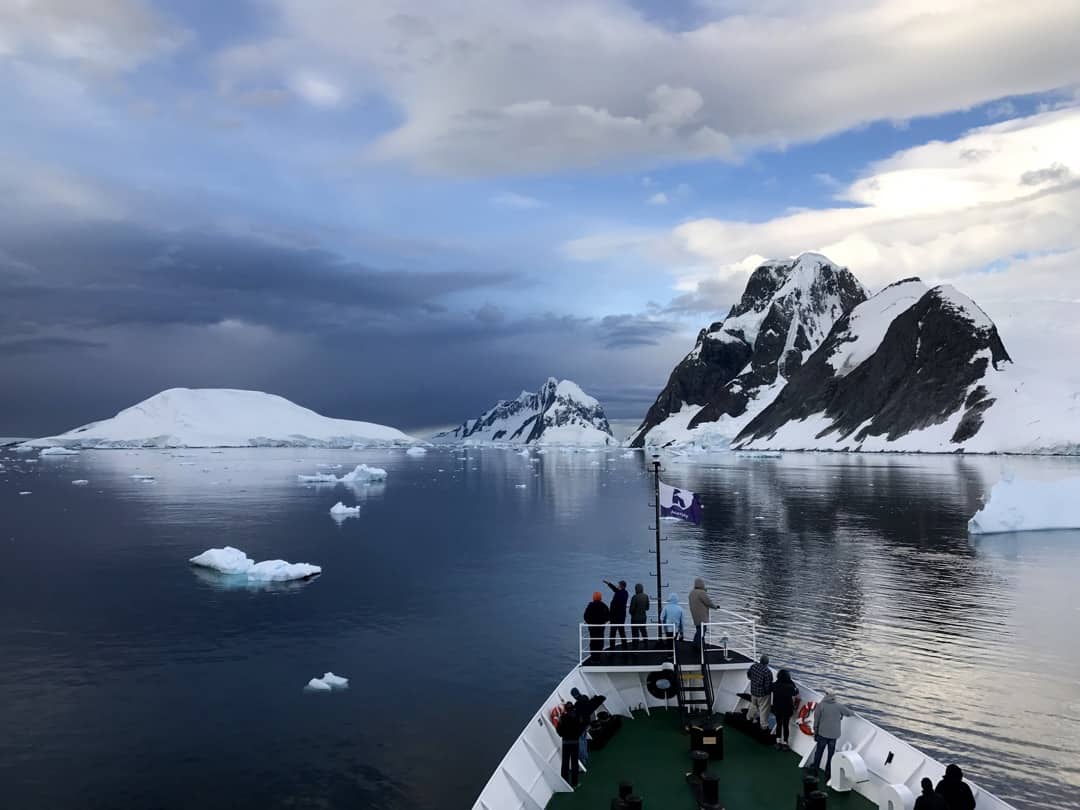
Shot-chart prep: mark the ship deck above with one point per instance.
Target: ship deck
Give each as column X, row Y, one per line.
column 652, row 752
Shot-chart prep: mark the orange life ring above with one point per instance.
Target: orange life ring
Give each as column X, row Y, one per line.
column 556, row 714
column 806, row 714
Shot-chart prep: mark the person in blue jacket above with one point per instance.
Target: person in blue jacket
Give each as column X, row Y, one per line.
column 671, row 617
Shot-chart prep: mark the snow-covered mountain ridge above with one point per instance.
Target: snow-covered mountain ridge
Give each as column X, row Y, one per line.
column 560, row 413
column 739, row 364
column 222, row 417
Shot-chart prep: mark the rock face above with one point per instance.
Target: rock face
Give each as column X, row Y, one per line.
column 222, row 417
column 911, row 368
column 739, row 364
column 559, row 413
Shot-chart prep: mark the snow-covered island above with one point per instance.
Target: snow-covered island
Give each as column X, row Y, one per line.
column 560, row 413
column 220, row 417
column 806, row 361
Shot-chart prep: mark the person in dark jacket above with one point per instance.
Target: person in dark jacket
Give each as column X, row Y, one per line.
column 639, row 615
column 570, row 729
column 618, row 610
column 784, row 692
column 954, row 790
column 596, row 616
column 585, row 707
column 929, row 800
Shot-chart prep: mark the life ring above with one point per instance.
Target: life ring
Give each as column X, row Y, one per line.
column 556, row 714
column 806, row 714
column 662, row 684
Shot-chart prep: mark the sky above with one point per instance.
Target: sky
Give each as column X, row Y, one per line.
column 403, row 210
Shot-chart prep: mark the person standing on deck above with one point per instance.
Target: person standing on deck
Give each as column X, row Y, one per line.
column 761, row 686
column 570, row 729
column 929, row 800
column 671, row 617
column 700, row 602
column 828, row 716
column 618, row 610
column 596, row 617
column 585, row 706
column 954, row 790
column 784, row 692
column 639, row 615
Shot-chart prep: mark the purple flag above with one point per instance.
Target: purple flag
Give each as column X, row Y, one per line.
column 679, row 503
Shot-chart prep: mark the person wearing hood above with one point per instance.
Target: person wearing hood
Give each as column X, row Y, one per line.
column 700, row 602
column 784, row 693
column 617, row 610
column 954, row 790
column 929, row 800
column 596, row 617
column 639, row 614
column 671, row 617
column 828, row 717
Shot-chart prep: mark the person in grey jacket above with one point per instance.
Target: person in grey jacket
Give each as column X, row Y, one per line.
column 828, row 716
column 639, row 614
column 700, row 602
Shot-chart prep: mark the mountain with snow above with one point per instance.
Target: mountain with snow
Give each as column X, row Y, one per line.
column 916, row 369
column 222, row 417
column 560, row 413
column 739, row 365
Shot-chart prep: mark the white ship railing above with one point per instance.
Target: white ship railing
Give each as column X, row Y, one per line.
column 656, row 640
column 733, row 632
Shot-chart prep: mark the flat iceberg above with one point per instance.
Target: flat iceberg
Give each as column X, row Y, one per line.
column 318, row 478
column 1019, row 505
column 416, row 451
column 141, row 477
column 80, row 482
column 234, row 562
column 341, row 510
column 58, row 451
column 329, row 681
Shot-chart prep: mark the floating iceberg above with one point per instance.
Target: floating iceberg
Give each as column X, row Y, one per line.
column 58, row 451
column 341, row 510
column 327, row 682
column 318, row 478
column 416, row 451
column 80, row 482
column 234, row 562
column 363, row 474
column 1018, row 505
column 26, row 492
column 141, row 477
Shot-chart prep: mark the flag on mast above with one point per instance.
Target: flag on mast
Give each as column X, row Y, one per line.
column 679, row 503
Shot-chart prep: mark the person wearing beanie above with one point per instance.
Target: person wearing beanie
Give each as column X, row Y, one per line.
column 954, row 790
column 929, row 800
column 596, row 616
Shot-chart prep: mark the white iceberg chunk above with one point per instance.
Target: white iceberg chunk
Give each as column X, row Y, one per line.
column 1018, row 505
column 319, row 478
column 234, row 562
column 416, row 451
column 340, row 509
column 363, row 474
column 317, row 685
column 326, row 683
column 26, row 492
column 80, row 482
column 141, row 477
column 58, row 451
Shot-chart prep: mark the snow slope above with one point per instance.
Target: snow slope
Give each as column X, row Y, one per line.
column 1020, row 505
column 221, row 417
column 560, row 413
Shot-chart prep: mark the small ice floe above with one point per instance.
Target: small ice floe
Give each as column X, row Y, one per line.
column 26, row 492
column 24, row 448
column 757, row 454
column 233, row 562
column 524, row 453
column 340, row 510
column 80, row 482
column 318, row 478
column 521, row 486
column 328, row 682
column 363, row 474
column 58, row 451
column 142, row 477
column 629, row 454
column 416, row 451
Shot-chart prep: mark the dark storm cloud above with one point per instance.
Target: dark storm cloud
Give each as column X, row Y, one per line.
column 629, row 331
column 47, row 344
column 107, row 275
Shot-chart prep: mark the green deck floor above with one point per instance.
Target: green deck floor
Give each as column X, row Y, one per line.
column 652, row 752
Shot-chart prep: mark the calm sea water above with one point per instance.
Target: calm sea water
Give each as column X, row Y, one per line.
column 128, row 679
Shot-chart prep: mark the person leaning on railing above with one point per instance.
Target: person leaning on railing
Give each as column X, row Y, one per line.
column 596, row 617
